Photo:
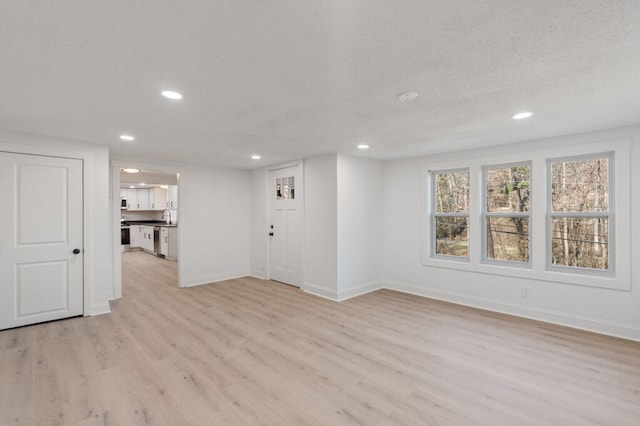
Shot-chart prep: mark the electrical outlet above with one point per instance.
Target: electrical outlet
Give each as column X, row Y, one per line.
column 526, row 292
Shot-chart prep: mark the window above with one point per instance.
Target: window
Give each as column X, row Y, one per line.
column 285, row 188
column 558, row 214
column 450, row 220
column 506, row 212
column 579, row 216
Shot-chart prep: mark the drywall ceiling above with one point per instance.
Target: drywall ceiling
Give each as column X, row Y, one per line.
column 289, row 79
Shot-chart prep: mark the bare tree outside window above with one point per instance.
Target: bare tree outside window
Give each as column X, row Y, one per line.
column 451, row 213
column 508, row 197
column 580, row 213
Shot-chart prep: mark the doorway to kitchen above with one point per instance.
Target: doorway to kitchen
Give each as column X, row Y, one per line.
column 149, row 223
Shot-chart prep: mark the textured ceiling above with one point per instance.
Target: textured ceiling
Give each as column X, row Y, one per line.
column 296, row 78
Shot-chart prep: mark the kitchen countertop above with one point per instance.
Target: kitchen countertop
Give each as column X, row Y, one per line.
column 148, row 223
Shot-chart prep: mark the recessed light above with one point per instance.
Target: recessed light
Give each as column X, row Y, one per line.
column 127, row 138
column 132, row 187
column 130, row 170
column 363, row 146
column 522, row 115
column 142, row 184
column 164, row 186
column 407, row 96
column 255, row 157
column 171, row 95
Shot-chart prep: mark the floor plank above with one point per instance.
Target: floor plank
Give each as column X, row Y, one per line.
column 248, row 351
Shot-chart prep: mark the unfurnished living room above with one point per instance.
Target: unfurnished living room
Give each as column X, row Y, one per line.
column 319, row 213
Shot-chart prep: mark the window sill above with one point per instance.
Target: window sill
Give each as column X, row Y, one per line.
column 529, row 272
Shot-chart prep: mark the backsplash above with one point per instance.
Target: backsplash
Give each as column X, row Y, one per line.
column 148, row 215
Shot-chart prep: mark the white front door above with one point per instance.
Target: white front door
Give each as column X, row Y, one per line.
column 286, row 225
column 41, row 260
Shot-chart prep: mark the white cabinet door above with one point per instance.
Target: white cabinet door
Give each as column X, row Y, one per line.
column 147, row 238
column 161, row 198
column 135, row 236
column 132, row 199
column 150, row 239
column 41, row 239
column 143, row 199
column 137, row 199
column 157, row 199
column 172, row 197
column 170, row 240
column 164, row 241
column 143, row 237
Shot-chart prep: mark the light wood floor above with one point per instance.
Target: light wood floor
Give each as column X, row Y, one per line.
column 256, row 352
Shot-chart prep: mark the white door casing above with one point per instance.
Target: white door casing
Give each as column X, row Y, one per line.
column 41, row 278
column 286, row 225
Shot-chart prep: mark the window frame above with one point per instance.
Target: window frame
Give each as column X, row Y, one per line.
column 550, row 215
column 486, row 214
column 619, row 275
column 435, row 214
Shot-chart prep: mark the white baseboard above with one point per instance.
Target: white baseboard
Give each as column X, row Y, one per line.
column 359, row 290
column 103, row 308
column 192, row 282
column 318, row 290
column 609, row 328
column 258, row 275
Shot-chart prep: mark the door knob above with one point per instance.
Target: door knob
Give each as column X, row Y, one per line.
column 76, row 251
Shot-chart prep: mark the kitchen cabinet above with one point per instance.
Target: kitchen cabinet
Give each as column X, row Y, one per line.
column 137, row 199
column 169, row 242
column 147, row 238
column 135, row 236
column 172, row 197
column 132, row 199
column 157, row 199
column 143, row 199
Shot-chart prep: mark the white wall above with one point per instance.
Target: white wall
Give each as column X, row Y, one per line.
column 612, row 312
column 343, row 225
column 259, row 230
column 98, row 233
column 320, row 227
column 214, row 223
column 360, row 226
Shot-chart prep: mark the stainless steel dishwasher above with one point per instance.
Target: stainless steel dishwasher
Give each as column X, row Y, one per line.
column 156, row 240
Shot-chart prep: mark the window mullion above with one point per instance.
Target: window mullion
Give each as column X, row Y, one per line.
column 440, row 214
column 580, row 214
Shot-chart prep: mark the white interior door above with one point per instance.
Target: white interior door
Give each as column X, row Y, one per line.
column 286, row 225
column 41, row 259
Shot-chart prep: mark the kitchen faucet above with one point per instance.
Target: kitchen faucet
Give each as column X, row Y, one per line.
column 168, row 211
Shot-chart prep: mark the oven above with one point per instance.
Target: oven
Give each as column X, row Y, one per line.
column 125, row 236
